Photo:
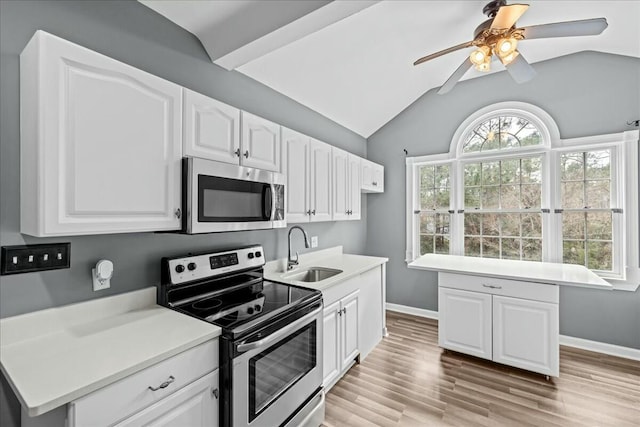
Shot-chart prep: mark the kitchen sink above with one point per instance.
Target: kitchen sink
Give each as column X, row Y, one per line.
column 312, row 274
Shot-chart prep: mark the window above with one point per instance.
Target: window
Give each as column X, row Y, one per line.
column 510, row 188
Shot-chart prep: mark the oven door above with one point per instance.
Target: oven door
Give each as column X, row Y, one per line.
column 223, row 197
column 274, row 375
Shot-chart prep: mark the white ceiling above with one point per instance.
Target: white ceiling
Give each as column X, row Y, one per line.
column 356, row 66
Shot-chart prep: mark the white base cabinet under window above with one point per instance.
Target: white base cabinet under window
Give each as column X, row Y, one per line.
column 507, row 321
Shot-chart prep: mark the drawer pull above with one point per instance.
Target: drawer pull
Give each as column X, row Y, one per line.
column 492, row 286
column 164, row 384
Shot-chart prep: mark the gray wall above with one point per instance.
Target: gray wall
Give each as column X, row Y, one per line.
column 587, row 94
column 134, row 34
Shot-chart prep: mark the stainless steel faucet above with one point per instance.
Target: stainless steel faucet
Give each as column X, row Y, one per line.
column 293, row 262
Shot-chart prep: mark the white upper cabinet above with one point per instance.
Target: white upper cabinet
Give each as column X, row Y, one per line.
column 346, row 185
column 100, row 143
column 260, row 147
column 372, row 177
column 307, row 164
column 211, row 128
column 320, row 180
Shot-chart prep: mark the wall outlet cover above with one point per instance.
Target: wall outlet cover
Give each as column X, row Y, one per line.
column 314, row 241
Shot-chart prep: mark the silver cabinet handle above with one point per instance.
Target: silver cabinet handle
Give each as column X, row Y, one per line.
column 237, row 152
column 215, row 392
column 309, row 212
column 164, row 384
column 178, row 213
column 492, row 286
column 246, row 154
column 375, row 183
column 313, row 212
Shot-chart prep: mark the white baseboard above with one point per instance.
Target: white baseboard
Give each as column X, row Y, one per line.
column 420, row 312
column 601, row 347
column 596, row 346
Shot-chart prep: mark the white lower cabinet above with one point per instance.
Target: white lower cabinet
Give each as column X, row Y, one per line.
column 340, row 337
column 525, row 334
column 465, row 322
column 179, row 391
column 507, row 321
column 193, row 405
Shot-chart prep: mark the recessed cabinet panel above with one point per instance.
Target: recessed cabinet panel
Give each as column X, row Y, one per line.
column 525, row 334
column 295, row 147
column 340, row 184
column 260, row 143
column 195, row 405
column 354, row 187
column 320, row 193
column 350, row 337
column 465, row 322
column 100, row 143
column 211, row 128
column 331, row 344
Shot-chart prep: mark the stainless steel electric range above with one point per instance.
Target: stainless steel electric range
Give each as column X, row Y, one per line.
column 271, row 343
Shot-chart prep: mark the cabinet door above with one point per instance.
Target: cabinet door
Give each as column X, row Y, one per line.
column 211, row 128
column 100, row 146
column 464, row 322
column 260, row 140
column 367, row 174
column 525, row 334
column 340, row 188
column 372, row 177
column 354, row 187
column 195, row 405
column 378, row 178
column 295, row 148
column 320, row 181
column 350, row 332
column 331, row 344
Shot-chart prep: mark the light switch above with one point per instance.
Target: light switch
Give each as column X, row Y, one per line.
column 28, row 258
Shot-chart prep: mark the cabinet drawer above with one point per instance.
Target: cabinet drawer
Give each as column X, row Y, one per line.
column 132, row 394
column 504, row 287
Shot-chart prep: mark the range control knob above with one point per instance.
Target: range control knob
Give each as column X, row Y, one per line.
column 250, row 255
column 250, row 310
column 191, row 266
column 258, row 254
column 179, row 268
column 258, row 308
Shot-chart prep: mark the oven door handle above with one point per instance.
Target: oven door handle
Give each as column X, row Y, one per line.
column 248, row 346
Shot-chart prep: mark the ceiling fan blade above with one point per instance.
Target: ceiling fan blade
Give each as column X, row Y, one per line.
column 457, row 75
column 443, row 52
column 508, row 15
column 520, row 70
column 585, row 27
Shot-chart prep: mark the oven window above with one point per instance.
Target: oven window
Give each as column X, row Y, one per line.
column 274, row 371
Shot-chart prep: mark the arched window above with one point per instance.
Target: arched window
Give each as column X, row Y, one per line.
column 510, row 188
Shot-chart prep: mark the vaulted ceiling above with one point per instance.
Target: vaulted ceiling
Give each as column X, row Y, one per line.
column 351, row 60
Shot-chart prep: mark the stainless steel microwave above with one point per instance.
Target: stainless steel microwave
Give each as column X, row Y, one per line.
column 219, row 197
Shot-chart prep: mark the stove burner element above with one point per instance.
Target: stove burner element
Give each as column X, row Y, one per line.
column 207, row 304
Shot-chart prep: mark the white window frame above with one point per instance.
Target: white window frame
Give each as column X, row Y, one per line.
column 624, row 171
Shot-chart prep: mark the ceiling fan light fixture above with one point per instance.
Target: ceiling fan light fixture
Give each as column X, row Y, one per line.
column 506, row 46
column 485, row 66
column 480, row 55
column 507, row 59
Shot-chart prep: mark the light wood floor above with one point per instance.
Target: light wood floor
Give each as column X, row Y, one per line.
column 409, row 381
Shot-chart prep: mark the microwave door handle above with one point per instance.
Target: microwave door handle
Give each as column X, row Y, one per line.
column 280, row 333
column 273, row 202
column 267, row 202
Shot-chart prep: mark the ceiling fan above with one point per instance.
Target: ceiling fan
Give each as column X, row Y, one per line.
column 499, row 36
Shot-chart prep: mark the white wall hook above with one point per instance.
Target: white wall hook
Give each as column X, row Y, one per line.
column 102, row 274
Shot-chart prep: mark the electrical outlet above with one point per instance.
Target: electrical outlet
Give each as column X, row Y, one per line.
column 30, row 258
column 314, row 241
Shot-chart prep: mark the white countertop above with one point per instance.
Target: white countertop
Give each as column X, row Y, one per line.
column 530, row 271
column 54, row 356
column 351, row 265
